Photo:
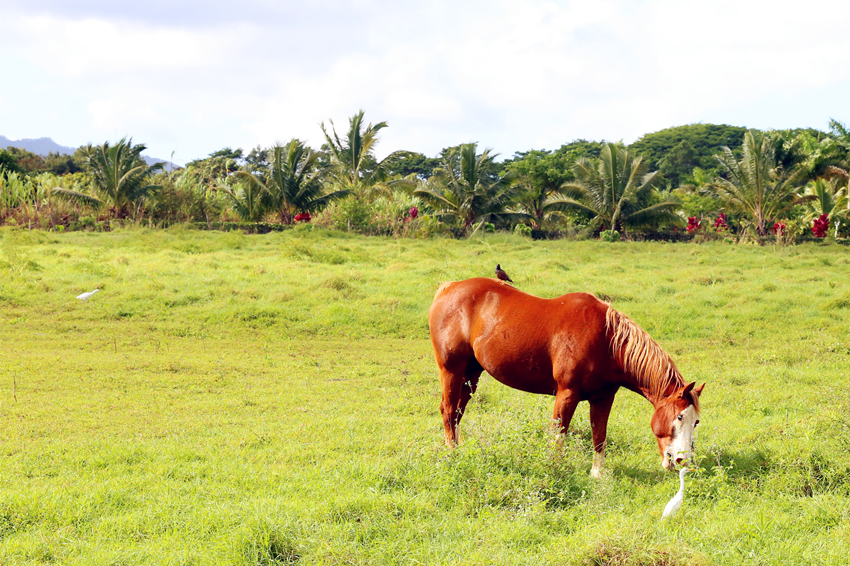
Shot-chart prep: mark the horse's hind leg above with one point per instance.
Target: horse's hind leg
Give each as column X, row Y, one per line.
column 472, row 374
column 459, row 382
column 452, row 382
column 566, row 402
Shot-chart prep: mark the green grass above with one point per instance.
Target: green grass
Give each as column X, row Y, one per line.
column 231, row 399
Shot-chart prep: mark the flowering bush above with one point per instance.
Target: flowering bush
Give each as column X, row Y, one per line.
column 821, row 226
column 303, row 217
column 411, row 214
column 720, row 224
column 779, row 229
column 694, row 224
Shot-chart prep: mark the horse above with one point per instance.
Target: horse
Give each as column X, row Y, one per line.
column 575, row 347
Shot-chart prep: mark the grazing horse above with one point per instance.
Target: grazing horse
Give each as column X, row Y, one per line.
column 575, row 347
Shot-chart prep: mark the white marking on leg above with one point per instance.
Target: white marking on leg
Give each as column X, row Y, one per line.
column 598, row 461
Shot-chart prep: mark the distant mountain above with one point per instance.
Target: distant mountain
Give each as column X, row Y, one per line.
column 43, row 146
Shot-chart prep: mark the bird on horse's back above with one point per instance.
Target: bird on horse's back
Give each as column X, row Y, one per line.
column 574, row 347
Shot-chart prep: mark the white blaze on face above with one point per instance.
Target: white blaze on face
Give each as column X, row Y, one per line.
column 683, row 434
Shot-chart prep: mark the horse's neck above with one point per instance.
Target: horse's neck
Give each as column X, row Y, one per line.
column 652, row 394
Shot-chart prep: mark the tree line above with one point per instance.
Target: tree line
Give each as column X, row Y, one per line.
column 712, row 181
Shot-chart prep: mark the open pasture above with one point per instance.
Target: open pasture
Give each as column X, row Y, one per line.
column 232, row 399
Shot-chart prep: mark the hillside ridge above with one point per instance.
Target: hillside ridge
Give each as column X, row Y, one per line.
column 43, row 146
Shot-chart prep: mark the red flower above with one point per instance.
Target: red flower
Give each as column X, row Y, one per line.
column 821, row 226
column 693, row 224
column 779, row 228
column 413, row 212
column 303, row 217
column 720, row 223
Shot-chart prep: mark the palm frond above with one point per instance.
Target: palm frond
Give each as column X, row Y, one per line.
column 656, row 213
column 566, row 204
column 77, row 196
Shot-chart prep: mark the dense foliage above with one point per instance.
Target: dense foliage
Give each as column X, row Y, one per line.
column 466, row 189
column 676, row 151
column 617, row 190
column 701, row 171
column 757, row 183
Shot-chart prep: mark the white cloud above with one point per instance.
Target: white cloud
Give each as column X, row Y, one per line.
column 109, row 113
column 509, row 74
column 93, row 48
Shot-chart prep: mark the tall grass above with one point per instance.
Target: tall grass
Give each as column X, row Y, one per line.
column 233, row 399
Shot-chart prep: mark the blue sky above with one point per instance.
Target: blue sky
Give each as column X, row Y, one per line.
column 193, row 77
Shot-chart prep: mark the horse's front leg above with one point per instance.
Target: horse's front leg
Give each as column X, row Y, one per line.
column 600, row 409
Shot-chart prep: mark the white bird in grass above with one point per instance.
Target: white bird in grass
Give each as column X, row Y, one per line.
column 674, row 504
column 85, row 296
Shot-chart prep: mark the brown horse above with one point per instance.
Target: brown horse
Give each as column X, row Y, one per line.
column 575, row 347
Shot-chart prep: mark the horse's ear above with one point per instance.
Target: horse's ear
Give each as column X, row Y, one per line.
column 684, row 393
column 698, row 390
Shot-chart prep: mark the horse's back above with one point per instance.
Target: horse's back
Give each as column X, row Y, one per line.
column 483, row 295
column 503, row 326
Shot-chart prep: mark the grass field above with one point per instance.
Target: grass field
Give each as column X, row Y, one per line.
column 231, row 399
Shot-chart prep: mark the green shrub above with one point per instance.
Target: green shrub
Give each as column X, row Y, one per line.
column 609, row 236
column 349, row 214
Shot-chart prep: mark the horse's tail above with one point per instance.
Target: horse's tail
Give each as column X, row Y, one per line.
column 637, row 354
column 442, row 288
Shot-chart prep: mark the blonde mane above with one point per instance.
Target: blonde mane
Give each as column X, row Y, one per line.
column 639, row 355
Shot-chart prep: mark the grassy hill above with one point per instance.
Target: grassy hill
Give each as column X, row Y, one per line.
column 232, row 399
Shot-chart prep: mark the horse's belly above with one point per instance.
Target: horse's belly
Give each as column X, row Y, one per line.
column 517, row 354
column 528, row 382
column 529, row 371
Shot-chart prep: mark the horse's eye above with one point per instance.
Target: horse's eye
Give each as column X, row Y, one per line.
column 679, row 417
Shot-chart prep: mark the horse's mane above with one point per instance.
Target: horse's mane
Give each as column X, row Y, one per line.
column 639, row 355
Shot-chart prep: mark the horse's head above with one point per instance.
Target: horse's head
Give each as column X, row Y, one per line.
column 676, row 416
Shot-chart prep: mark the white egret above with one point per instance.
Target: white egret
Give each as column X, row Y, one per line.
column 85, row 296
column 674, row 504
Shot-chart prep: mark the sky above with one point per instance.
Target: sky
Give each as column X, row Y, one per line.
column 193, row 77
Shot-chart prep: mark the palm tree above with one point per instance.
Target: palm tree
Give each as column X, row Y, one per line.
column 816, row 154
column 617, row 190
column 294, row 182
column 539, row 177
column 841, row 135
column 120, row 177
column 755, row 184
column 541, row 203
column 352, row 158
column 467, row 188
column 247, row 198
column 825, row 197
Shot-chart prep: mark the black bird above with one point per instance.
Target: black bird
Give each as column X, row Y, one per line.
column 501, row 275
